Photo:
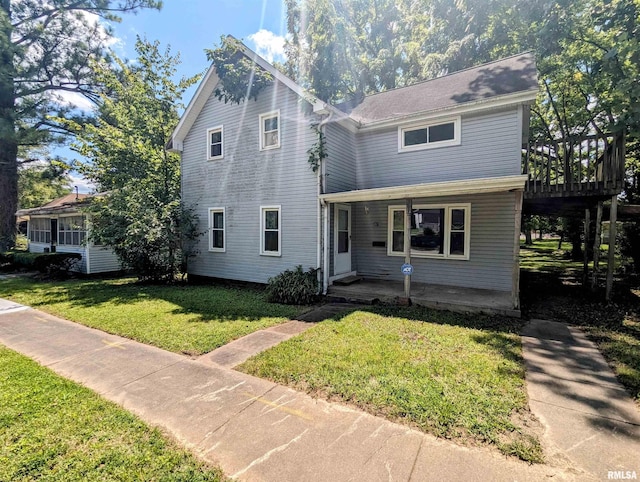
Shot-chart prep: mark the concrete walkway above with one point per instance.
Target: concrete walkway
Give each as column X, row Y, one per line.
column 254, row 429
column 590, row 420
column 234, row 353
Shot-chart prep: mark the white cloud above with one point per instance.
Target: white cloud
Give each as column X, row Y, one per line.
column 268, row 45
column 84, row 186
column 75, row 100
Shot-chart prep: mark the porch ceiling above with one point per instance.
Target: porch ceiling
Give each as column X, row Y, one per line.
column 432, row 189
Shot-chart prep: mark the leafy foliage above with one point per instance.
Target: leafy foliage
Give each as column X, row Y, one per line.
column 47, row 49
column 56, row 265
column 630, row 245
column 294, row 287
column 39, row 184
column 241, row 77
column 317, row 152
column 141, row 218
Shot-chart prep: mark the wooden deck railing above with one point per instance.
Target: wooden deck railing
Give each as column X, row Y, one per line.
column 575, row 166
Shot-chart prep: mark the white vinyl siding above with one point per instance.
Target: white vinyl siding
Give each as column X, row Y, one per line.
column 215, row 140
column 217, row 241
column 249, row 178
column 270, row 233
column 438, row 231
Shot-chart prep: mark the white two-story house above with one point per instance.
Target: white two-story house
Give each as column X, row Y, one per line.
column 447, row 151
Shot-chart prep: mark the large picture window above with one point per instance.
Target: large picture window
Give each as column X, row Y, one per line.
column 40, row 230
column 217, row 238
column 270, row 232
column 215, row 144
column 270, row 130
column 426, row 136
column 71, row 231
column 438, row 231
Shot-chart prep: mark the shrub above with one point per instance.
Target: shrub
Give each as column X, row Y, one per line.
column 294, row 287
column 630, row 243
column 53, row 264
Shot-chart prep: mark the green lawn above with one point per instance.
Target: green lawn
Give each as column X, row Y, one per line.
column 184, row 319
column 54, row 429
column 455, row 376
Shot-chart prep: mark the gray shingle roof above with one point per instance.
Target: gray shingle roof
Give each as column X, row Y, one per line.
column 506, row 76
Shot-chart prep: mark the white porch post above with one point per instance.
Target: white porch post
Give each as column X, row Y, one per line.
column 407, row 245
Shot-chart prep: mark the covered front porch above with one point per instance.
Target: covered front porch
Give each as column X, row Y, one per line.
column 453, row 298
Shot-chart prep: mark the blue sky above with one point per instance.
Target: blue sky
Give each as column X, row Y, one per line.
column 190, row 26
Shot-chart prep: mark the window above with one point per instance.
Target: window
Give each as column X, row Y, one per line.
column 216, row 230
column 40, row 230
column 426, row 136
column 270, row 230
column 71, row 231
column 270, row 130
column 214, row 144
column 436, row 231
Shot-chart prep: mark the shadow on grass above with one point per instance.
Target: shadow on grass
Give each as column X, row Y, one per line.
column 207, row 302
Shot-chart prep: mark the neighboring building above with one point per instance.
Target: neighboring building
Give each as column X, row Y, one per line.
column 449, row 147
column 61, row 226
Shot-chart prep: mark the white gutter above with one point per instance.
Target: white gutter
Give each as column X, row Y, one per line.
column 433, row 189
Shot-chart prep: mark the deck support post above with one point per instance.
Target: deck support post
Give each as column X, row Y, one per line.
column 515, row 287
column 596, row 247
column 407, row 246
column 585, row 266
column 613, row 217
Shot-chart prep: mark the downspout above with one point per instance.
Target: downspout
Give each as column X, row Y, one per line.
column 323, row 218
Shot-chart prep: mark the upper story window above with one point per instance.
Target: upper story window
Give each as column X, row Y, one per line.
column 71, row 230
column 270, row 130
column 216, row 230
column 214, row 144
column 437, row 231
column 40, row 230
column 428, row 136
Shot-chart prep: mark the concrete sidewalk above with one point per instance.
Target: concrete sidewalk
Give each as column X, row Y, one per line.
column 590, row 420
column 254, row 429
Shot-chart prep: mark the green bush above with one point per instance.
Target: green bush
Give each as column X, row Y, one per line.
column 53, row 264
column 294, row 287
column 630, row 243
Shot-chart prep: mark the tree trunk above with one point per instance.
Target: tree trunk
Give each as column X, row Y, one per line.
column 8, row 142
column 527, row 230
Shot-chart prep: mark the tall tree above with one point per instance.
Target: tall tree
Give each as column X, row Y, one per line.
column 41, row 183
column 46, row 49
column 141, row 217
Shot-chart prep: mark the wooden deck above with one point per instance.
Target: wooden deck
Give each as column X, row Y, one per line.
column 575, row 167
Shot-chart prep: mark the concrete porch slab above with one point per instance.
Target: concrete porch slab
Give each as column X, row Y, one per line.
column 452, row 298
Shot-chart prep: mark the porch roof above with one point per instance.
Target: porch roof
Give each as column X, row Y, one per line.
column 431, row 189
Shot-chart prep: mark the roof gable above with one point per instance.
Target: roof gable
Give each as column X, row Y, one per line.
column 211, row 79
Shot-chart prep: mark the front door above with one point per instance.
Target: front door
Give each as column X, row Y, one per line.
column 342, row 242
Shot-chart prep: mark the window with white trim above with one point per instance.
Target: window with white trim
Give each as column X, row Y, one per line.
column 40, row 230
column 71, row 231
column 437, row 231
column 270, row 230
column 426, row 136
column 270, row 130
column 214, row 144
column 217, row 235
